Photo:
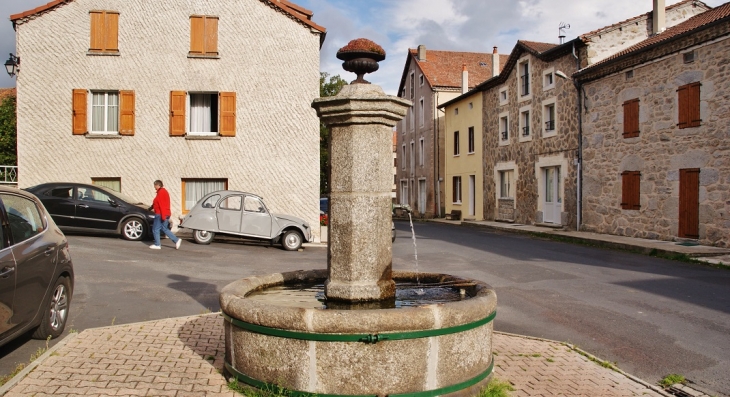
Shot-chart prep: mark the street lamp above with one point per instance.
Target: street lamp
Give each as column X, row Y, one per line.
column 12, row 65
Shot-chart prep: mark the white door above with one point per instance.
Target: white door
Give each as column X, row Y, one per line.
column 472, row 193
column 422, row 196
column 553, row 204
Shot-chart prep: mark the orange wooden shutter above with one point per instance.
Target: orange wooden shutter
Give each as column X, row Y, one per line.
column 79, row 112
column 177, row 113
column 211, row 35
column 112, row 31
column 197, row 26
column 689, row 203
column 126, row 112
column 97, row 31
column 682, row 102
column 693, row 105
column 228, row 113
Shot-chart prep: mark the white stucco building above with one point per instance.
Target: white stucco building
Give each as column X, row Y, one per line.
column 203, row 95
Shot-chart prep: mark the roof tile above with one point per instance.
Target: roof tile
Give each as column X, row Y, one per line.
column 443, row 68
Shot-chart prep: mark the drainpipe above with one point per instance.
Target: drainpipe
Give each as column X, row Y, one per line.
column 436, row 159
column 579, row 178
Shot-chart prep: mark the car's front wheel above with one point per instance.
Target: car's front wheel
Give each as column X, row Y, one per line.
column 133, row 229
column 55, row 311
column 203, row 236
column 291, row 240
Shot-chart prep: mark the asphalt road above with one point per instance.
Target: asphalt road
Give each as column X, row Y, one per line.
column 650, row 316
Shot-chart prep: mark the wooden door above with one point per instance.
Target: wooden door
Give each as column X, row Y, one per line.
column 689, row 203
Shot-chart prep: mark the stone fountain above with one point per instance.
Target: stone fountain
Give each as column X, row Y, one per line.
column 355, row 339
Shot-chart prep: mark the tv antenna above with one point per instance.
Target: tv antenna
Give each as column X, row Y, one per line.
column 561, row 31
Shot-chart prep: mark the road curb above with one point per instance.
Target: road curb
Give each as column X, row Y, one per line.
column 22, row 374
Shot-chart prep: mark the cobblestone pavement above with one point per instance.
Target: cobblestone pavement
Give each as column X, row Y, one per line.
column 184, row 357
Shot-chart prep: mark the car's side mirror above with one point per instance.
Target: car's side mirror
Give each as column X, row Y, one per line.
column 113, row 203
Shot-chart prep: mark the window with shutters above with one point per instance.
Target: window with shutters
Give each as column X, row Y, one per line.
column 104, row 112
column 688, row 105
column 104, row 34
column 202, row 114
column 630, row 194
column 203, row 36
column 111, row 112
column 631, row 118
column 456, row 186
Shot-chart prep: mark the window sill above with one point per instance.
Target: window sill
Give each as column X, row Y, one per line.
column 203, row 137
column 204, row 56
column 457, row 155
column 102, row 136
column 549, row 134
column 470, row 153
column 525, row 138
column 104, row 53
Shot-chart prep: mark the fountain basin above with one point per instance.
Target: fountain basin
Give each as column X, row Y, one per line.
column 435, row 349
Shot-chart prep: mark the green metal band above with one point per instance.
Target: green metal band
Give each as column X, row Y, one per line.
column 296, row 393
column 365, row 338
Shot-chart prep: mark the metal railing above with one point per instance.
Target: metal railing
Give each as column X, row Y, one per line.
column 9, row 175
column 550, row 125
column 525, row 131
column 504, row 135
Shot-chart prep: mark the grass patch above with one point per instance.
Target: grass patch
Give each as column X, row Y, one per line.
column 672, row 379
column 18, row 368
column 276, row 391
column 550, row 360
column 496, row 388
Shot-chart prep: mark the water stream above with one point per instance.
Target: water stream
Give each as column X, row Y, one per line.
column 415, row 253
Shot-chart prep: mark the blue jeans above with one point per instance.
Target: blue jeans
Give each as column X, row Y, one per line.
column 158, row 225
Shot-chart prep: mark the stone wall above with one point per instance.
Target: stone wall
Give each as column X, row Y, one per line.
column 661, row 149
column 558, row 149
column 266, row 57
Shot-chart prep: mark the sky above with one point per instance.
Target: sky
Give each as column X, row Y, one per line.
column 447, row 25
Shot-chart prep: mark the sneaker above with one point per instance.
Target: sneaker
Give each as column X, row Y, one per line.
column 177, row 245
column 155, row 247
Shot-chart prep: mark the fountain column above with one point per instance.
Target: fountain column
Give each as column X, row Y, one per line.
column 361, row 118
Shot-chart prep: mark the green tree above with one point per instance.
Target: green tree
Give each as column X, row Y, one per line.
column 8, row 151
column 326, row 88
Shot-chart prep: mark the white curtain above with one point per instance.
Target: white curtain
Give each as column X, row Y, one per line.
column 97, row 112
column 199, row 113
column 105, row 112
column 195, row 190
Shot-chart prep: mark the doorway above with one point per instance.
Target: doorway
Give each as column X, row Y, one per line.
column 553, row 201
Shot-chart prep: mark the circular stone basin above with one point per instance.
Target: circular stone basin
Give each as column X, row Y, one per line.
column 430, row 349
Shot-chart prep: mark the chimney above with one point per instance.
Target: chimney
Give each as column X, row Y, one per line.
column 495, row 62
column 422, row 52
column 464, row 79
column 659, row 20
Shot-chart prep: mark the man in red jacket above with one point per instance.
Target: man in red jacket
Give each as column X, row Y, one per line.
column 161, row 206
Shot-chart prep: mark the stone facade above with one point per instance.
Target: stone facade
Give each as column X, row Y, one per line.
column 275, row 150
column 662, row 149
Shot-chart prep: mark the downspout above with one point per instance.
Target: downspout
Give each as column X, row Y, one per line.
column 579, row 176
column 437, row 179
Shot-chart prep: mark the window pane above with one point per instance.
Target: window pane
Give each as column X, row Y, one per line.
column 231, row 203
column 195, row 190
column 112, row 112
column 97, row 111
column 200, row 112
column 23, row 216
column 252, row 204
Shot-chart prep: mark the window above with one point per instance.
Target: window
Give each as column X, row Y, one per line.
column 252, row 204
column 413, row 85
column 111, row 183
column 232, row 203
column 630, row 183
column 471, row 105
column 524, row 71
column 421, row 114
column 525, row 123
column 203, row 35
column 503, row 96
column 403, row 160
column 420, row 152
column 688, row 57
column 412, row 117
column 630, row 74
column 456, row 111
column 506, row 184
column 412, row 155
column 503, row 128
column 24, row 218
column 104, row 32
column 90, row 194
column 456, row 143
column 456, row 186
column 471, row 140
column 689, row 105
column 631, row 118
column 548, row 79
column 403, row 192
column 420, row 78
column 202, row 114
column 112, row 112
column 194, row 189
column 550, row 126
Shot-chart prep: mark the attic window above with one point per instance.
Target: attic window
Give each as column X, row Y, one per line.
column 630, row 74
column 483, row 64
column 688, row 57
column 421, row 79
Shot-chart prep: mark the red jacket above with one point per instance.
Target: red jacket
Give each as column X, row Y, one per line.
column 161, row 203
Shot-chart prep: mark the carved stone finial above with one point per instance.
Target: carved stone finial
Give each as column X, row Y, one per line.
column 361, row 56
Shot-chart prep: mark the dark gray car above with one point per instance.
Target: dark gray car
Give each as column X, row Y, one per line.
column 244, row 214
column 36, row 273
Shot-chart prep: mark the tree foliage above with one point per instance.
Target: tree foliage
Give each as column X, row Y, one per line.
column 327, row 87
column 8, row 151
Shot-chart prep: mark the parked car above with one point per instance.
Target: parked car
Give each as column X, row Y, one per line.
column 36, row 273
column 77, row 207
column 243, row 214
column 324, row 206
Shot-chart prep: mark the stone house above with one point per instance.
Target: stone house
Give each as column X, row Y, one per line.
column 429, row 79
column 203, row 95
column 656, row 148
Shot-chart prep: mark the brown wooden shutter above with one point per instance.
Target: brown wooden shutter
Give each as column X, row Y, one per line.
column 97, row 31
column 689, row 203
column 177, row 113
column 197, row 26
column 630, row 190
column 79, row 107
column 693, row 105
column 631, row 118
column 211, row 35
column 112, row 31
column 228, row 113
column 126, row 112
column 682, row 101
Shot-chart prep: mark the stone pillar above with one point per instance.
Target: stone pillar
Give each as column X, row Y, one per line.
column 359, row 261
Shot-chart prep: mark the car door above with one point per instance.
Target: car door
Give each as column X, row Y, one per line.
column 229, row 214
column 34, row 253
column 256, row 220
column 7, row 283
column 61, row 204
column 94, row 209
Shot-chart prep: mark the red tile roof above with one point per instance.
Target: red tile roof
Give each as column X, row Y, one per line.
column 537, row 47
column 299, row 13
column 443, row 68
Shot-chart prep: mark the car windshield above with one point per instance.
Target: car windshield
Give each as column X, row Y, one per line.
column 119, row 195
